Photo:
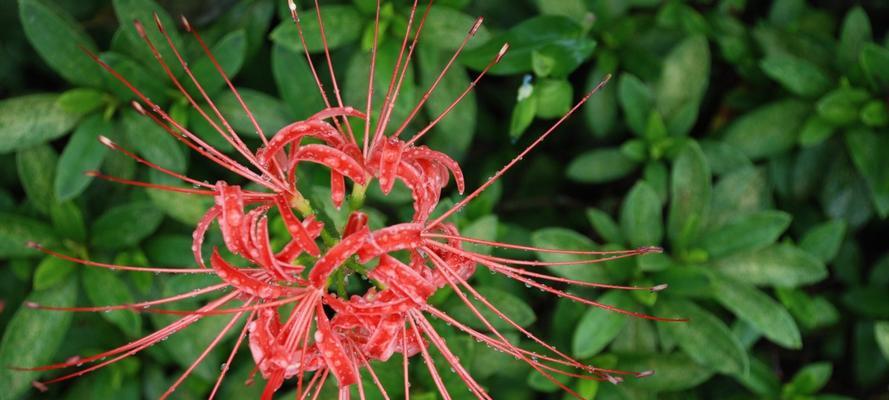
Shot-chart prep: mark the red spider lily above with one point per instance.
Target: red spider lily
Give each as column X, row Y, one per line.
column 391, row 317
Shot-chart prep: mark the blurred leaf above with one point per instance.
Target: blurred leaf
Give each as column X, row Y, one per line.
column 565, row 239
column 445, row 28
column 746, row 232
column 809, row 380
column 522, row 116
column 637, row 101
column 356, row 77
column 704, row 338
column 294, row 81
column 32, row 119
column 875, row 63
column 146, row 81
column 125, row 225
column 16, row 231
column 484, row 228
column 342, row 25
column 183, row 207
column 38, row 332
column 268, row 111
column 511, row 306
column 640, row 217
column 555, row 36
column 810, row 312
column 605, row 226
column 868, row 153
column 83, row 153
column 105, row 288
column 768, row 130
column 840, row 107
column 824, row 240
column 80, row 101
column 782, row 265
column 815, row 130
column 797, row 75
column 600, row 166
column 759, row 310
column 143, row 11
column 689, row 196
column 868, row 301
column 59, row 40
column 51, row 272
column 68, row 220
column 881, row 333
column 598, row 327
column 672, row 372
column 152, row 142
column 854, row 34
column 37, row 168
column 554, row 98
column 761, row 379
column 229, row 52
column 453, row 134
column 600, row 111
column 684, row 79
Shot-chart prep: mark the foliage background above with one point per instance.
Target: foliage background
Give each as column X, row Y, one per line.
column 748, row 139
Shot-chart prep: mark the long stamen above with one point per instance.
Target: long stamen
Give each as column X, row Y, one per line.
column 168, row 188
column 114, row 146
column 132, row 306
column 333, row 80
column 183, row 270
column 231, row 356
column 441, row 75
column 430, row 364
column 370, row 79
column 507, row 167
column 641, row 250
column 459, row 98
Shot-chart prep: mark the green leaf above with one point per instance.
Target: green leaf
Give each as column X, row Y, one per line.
column 723, row 158
column 672, row 372
column 522, row 116
column 598, row 327
column 52, row 271
column 129, row 11
column 854, row 34
column 761, row 379
column 815, row 130
column 453, row 134
column 637, row 101
column 229, row 52
column 295, row 83
column 183, row 207
column 446, row 28
column 81, row 101
column 83, row 153
column 33, row 337
column 145, row 80
column 640, row 217
column 868, row 301
column 690, row 196
column 810, row 312
column 32, row 119
column 875, row 63
column 58, row 38
column 37, row 168
column 600, row 166
column 740, row 192
column 782, row 265
column 881, row 333
column 356, row 78
column 704, row 338
column 768, row 130
column 484, row 228
column 605, row 226
column 684, row 79
column 565, row 239
column 809, row 380
column 759, row 310
column 105, row 288
column 554, row 98
column 824, row 240
column 342, row 25
column 601, row 110
column 152, row 141
column 554, row 36
column 797, row 75
column 68, row 221
column 875, row 114
column 747, row 232
column 841, row 106
column 511, row 306
column 16, row 231
column 868, row 153
column 125, row 225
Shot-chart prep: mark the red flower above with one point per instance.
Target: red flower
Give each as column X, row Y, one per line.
column 391, row 317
